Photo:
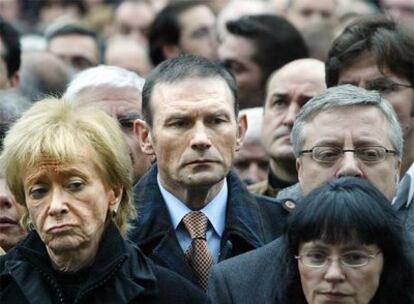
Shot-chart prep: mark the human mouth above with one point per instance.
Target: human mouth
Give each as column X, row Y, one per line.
column 6, row 223
column 201, row 162
column 334, row 295
column 59, row 228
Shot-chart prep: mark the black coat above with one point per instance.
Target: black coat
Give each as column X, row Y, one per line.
column 120, row 274
column 251, row 222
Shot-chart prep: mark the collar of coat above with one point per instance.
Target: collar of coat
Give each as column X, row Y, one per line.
column 243, row 219
column 137, row 275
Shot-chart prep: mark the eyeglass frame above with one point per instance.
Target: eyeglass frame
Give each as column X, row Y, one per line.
column 387, row 151
column 329, row 258
column 393, row 84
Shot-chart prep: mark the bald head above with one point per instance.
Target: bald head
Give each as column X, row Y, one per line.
column 288, row 89
column 309, row 72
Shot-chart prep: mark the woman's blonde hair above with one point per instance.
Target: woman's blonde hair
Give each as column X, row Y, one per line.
column 58, row 130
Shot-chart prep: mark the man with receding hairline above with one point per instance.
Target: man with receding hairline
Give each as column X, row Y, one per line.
column 288, row 89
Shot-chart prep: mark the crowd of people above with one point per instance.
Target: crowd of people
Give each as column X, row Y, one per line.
column 207, row 151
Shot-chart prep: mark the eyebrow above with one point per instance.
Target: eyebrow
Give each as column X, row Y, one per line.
column 64, row 172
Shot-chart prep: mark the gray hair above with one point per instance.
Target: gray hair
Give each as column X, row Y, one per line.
column 104, row 75
column 340, row 97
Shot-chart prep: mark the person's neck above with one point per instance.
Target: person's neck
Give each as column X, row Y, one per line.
column 284, row 170
column 74, row 260
column 196, row 197
column 408, row 154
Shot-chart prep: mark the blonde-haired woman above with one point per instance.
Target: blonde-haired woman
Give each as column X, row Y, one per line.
column 69, row 166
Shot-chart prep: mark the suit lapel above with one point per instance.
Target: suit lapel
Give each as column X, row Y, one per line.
column 154, row 233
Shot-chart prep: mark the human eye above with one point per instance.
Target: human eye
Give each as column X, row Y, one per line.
column 315, row 257
column 306, row 12
column 278, row 101
column 370, row 154
column 201, row 32
column 354, row 258
column 179, row 123
column 217, row 120
column 380, row 85
column 236, row 67
column 37, row 191
column 75, row 185
column 326, row 154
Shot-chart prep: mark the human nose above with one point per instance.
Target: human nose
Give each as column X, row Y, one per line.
column 334, row 271
column 58, row 205
column 349, row 166
column 5, row 202
column 290, row 116
column 200, row 139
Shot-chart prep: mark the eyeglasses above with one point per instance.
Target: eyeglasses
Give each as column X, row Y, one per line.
column 330, row 154
column 351, row 259
column 385, row 86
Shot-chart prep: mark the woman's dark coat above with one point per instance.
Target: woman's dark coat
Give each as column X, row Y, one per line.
column 120, row 274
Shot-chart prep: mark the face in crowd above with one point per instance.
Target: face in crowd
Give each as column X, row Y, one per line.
column 288, row 90
column 194, row 132
column 11, row 232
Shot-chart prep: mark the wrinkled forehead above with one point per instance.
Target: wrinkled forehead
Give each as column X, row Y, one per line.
column 111, row 98
column 190, row 89
column 364, row 124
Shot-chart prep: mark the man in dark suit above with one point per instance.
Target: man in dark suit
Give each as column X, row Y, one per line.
column 190, row 124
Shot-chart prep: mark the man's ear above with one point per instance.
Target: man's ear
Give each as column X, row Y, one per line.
column 398, row 165
column 299, row 168
column 142, row 134
column 15, row 80
column 170, row 50
column 241, row 130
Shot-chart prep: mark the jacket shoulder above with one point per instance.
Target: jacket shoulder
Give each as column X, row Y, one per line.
column 174, row 288
column 235, row 280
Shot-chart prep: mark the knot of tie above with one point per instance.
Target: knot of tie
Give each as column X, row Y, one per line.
column 196, row 224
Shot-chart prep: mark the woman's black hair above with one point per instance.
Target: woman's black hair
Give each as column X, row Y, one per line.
column 351, row 210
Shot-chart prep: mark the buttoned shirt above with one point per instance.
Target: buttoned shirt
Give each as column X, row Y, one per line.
column 215, row 211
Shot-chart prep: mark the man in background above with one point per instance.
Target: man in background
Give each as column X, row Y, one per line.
column 254, row 47
column 10, row 53
column 77, row 45
column 118, row 92
column 183, row 27
column 288, row 89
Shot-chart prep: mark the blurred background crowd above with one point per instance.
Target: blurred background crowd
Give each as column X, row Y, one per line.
column 59, row 38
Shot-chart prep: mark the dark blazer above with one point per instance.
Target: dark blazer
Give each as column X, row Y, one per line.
column 251, row 222
column 250, row 278
column 121, row 274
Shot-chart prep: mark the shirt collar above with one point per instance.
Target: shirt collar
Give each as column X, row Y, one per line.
column 215, row 210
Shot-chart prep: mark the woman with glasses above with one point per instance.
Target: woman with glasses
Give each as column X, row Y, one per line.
column 344, row 244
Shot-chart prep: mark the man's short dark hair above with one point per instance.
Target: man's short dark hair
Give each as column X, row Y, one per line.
column 180, row 68
column 56, row 30
column 11, row 44
column 166, row 30
column 277, row 41
column 384, row 39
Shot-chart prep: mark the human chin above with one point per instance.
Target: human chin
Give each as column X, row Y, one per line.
column 283, row 151
column 204, row 178
column 66, row 241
